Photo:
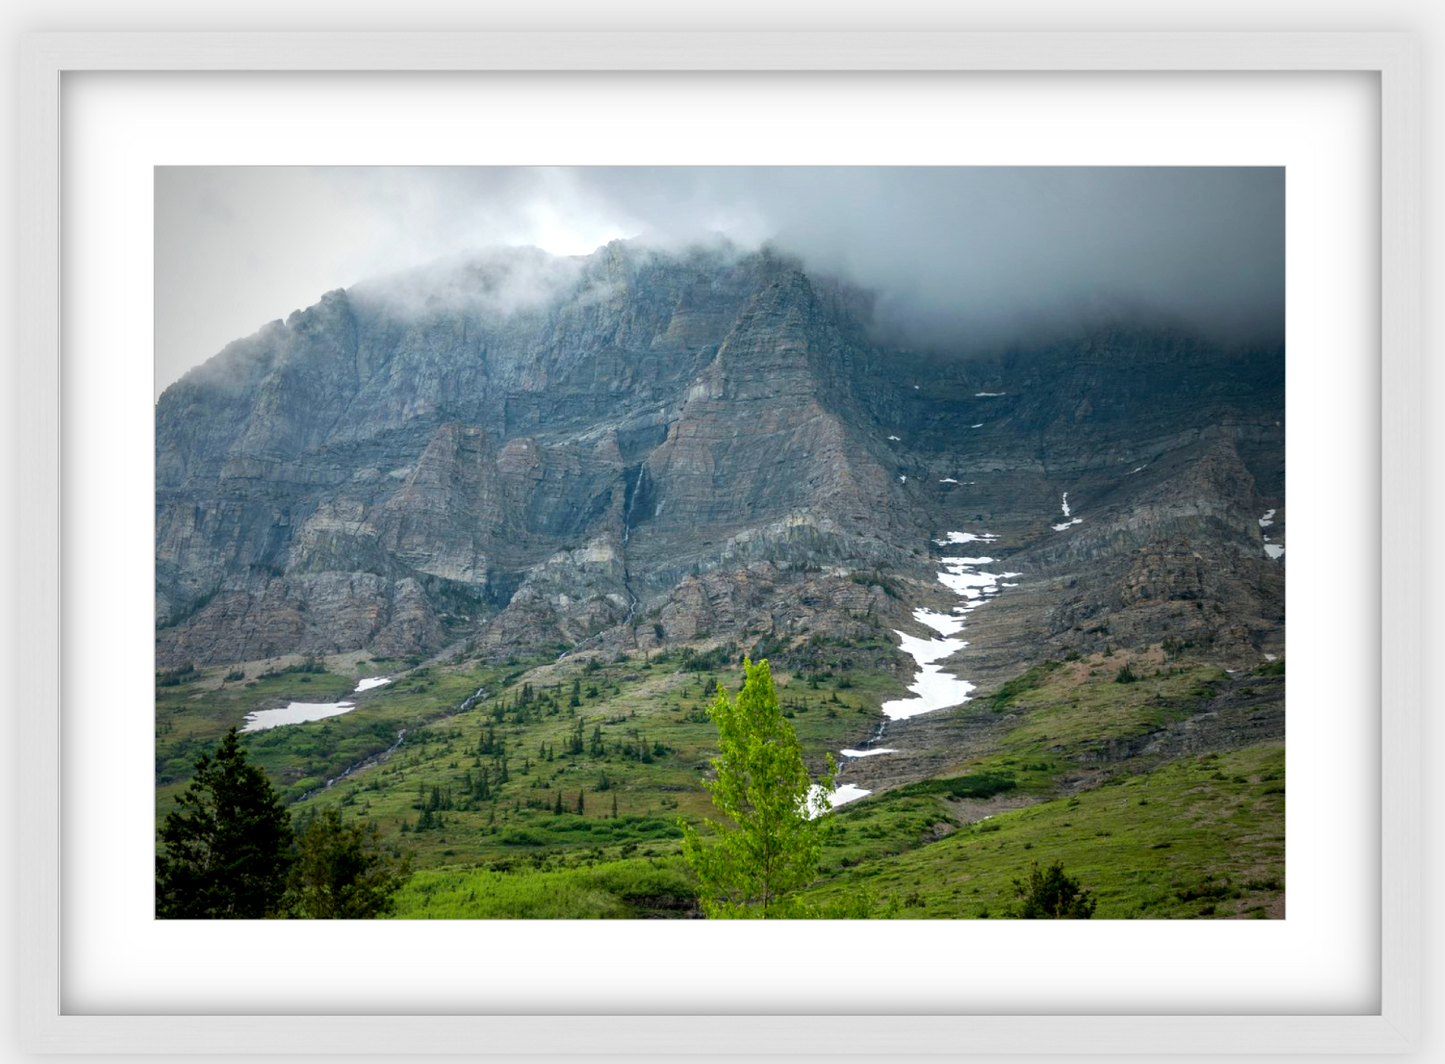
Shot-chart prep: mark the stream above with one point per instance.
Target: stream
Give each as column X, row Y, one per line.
column 375, row 759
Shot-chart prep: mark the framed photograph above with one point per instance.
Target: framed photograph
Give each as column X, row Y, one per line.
column 568, row 542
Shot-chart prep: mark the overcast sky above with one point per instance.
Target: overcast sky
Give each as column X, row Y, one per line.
column 963, row 257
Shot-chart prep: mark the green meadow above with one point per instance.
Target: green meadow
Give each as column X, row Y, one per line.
column 558, row 793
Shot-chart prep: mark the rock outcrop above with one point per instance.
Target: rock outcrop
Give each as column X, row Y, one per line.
column 518, row 452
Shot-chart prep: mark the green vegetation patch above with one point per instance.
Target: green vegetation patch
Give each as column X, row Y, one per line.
column 1175, row 842
column 981, row 785
column 613, row 889
column 1067, row 717
column 629, row 737
column 1032, row 680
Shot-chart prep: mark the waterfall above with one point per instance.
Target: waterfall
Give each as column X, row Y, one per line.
column 632, row 502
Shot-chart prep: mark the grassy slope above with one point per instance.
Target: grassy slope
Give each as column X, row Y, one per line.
column 1068, row 716
column 659, row 705
column 1147, row 842
column 624, row 888
column 1201, row 836
column 660, row 709
column 191, row 717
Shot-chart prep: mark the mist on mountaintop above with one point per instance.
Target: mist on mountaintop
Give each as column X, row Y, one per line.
column 961, row 258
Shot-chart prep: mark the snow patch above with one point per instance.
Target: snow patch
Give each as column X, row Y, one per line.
column 370, row 682
column 948, row 480
column 941, row 623
column 868, row 753
column 895, row 439
column 1267, row 519
column 1068, row 522
column 1274, row 550
column 295, row 713
column 965, row 537
column 902, row 479
column 932, row 688
column 978, row 426
column 959, row 577
column 845, row 793
column 988, row 395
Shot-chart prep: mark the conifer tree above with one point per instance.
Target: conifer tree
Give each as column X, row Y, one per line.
column 1052, row 894
column 224, row 850
column 340, row 872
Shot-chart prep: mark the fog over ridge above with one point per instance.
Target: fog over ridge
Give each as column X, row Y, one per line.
column 964, row 259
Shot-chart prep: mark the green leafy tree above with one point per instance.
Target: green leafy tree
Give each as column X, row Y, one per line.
column 1052, row 895
column 341, row 872
column 224, row 850
column 772, row 840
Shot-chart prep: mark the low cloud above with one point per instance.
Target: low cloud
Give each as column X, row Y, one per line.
column 961, row 258
column 497, row 282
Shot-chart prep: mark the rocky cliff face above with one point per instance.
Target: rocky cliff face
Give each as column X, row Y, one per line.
column 518, row 452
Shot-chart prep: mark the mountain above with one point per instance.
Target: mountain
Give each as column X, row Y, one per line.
column 635, row 448
column 498, row 529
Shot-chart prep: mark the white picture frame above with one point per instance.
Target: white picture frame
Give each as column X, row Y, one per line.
column 47, row 58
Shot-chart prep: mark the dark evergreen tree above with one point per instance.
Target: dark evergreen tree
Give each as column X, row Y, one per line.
column 581, row 808
column 224, row 850
column 340, row 872
column 1052, row 895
